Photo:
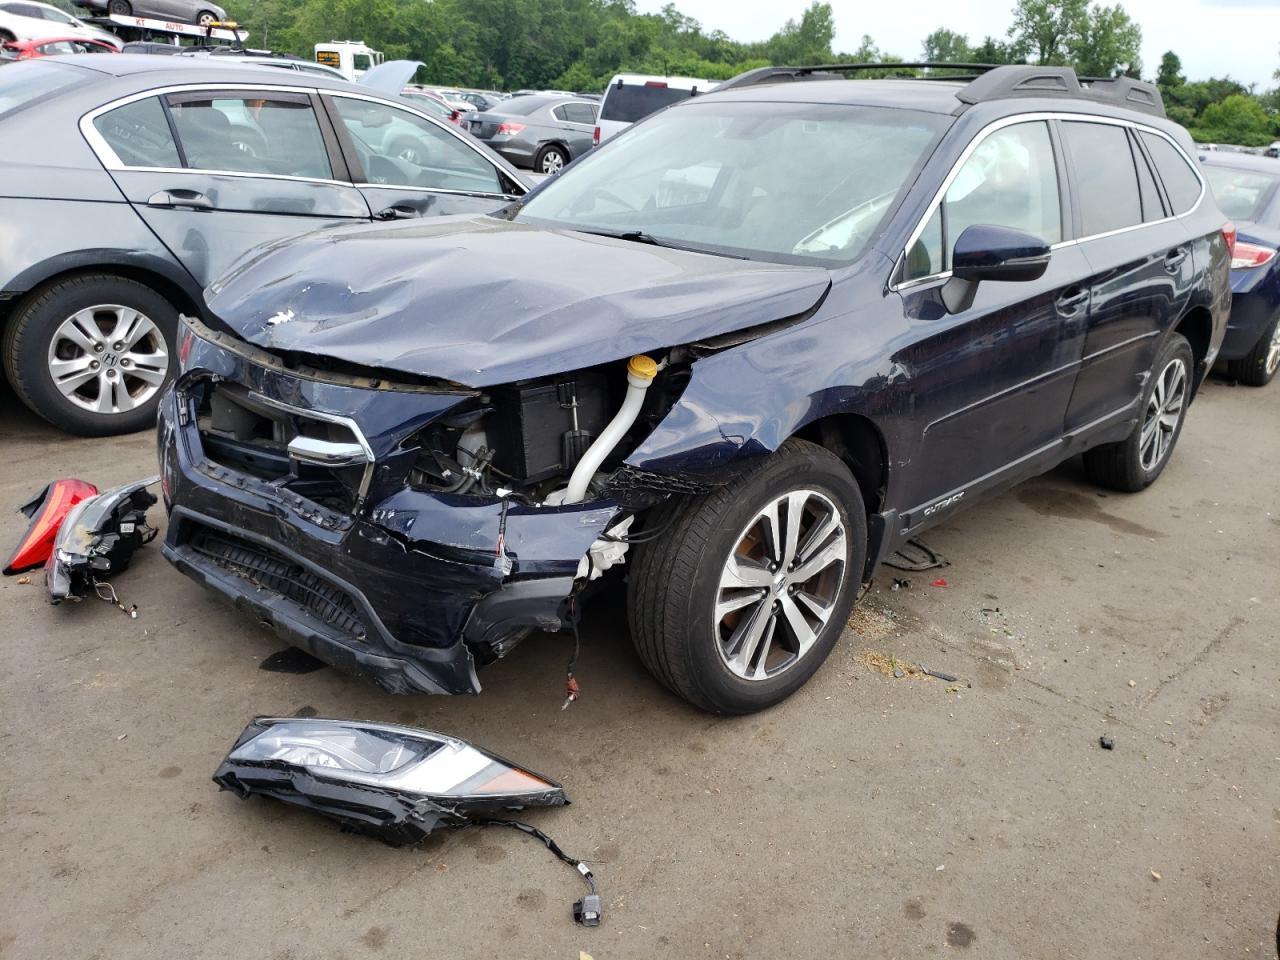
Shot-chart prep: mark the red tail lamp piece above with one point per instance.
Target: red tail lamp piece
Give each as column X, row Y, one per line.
column 47, row 510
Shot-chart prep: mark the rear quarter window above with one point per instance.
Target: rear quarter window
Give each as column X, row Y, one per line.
column 1180, row 181
column 631, row 102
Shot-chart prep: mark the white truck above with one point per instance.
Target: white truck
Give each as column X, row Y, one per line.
column 349, row 57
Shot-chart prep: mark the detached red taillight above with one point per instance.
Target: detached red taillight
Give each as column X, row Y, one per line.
column 508, row 129
column 1246, row 256
column 1229, row 235
column 595, row 137
column 47, row 511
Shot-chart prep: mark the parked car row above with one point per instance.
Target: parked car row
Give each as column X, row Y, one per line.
column 25, row 20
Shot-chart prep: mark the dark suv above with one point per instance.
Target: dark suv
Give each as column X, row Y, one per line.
column 746, row 349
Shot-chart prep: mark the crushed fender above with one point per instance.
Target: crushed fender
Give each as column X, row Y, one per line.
column 46, row 511
column 393, row 782
column 96, row 541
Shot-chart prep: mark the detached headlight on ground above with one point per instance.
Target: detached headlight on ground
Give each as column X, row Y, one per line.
column 397, row 783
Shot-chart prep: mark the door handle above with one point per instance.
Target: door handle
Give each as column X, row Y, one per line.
column 1173, row 260
column 180, row 198
column 398, row 211
column 1071, row 303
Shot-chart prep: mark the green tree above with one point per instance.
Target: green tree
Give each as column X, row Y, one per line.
column 1045, row 29
column 1170, row 73
column 995, row 51
column 946, row 46
column 805, row 41
column 1106, row 44
column 1239, row 119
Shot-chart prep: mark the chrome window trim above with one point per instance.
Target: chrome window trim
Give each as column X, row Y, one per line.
column 111, row 161
column 455, row 193
column 1010, row 121
column 464, row 139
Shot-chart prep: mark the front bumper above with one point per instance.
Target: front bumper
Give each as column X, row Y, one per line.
column 405, row 590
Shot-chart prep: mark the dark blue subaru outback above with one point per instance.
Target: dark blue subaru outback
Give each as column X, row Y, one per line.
column 741, row 352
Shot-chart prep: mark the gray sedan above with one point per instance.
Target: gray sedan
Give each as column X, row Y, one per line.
column 201, row 12
column 133, row 182
column 541, row 132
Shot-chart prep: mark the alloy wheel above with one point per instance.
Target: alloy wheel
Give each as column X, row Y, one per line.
column 779, row 585
column 552, row 162
column 1165, row 408
column 108, row 359
column 1273, row 354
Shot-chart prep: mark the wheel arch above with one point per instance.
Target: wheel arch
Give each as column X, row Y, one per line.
column 1197, row 326
column 163, row 278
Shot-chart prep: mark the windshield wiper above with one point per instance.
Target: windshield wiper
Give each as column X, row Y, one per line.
column 639, row 236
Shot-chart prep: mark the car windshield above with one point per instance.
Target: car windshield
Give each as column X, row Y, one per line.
column 1241, row 194
column 793, row 183
column 25, row 83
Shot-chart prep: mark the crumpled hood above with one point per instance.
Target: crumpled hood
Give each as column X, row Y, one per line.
column 482, row 301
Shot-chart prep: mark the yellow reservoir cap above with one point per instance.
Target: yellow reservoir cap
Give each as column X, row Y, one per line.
column 643, row 367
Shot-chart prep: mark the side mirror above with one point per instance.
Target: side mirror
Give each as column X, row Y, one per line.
column 985, row 252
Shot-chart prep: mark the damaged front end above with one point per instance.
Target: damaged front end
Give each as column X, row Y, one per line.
column 402, row 531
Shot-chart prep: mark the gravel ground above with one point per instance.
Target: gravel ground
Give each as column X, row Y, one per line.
column 868, row 816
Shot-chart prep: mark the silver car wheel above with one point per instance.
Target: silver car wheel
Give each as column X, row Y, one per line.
column 108, row 359
column 1273, row 354
column 780, row 584
column 552, row 162
column 206, row 19
column 1165, row 408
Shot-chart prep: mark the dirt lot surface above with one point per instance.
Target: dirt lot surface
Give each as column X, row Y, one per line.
column 869, row 816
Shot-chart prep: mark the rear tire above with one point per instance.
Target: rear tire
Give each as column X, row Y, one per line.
column 1134, row 463
column 7, row 37
column 551, row 159
column 120, row 8
column 711, row 619
column 92, row 354
column 1258, row 367
column 205, row 17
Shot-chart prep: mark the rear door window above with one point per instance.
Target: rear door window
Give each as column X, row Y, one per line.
column 1180, row 181
column 580, row 113
column 631, row 102
column 265, row 134
column 139, row 134
column 1106, row 179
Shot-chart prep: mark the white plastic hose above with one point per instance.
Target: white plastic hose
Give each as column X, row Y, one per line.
column 640, row 373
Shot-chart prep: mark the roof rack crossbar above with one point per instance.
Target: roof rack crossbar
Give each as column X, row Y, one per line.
column 831, row 71
column 984, row 82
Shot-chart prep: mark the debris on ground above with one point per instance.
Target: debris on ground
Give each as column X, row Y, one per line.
column 901, row 583
column 940, row 582
column 46, row 511
column 1155, row 875
column 890, row 666
column 916, row 557
column 393, row 782
column 23, row 581
column 96, row 540
column 1107, row 743
column 938, row 674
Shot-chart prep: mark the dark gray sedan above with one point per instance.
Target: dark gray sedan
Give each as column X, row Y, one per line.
column 540, row 132
column 132, row 182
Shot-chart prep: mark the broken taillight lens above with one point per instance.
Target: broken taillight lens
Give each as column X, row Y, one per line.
column 1229, row 235
column 47, row 511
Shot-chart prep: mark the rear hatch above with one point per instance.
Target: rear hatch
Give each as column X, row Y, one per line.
column 630, row 99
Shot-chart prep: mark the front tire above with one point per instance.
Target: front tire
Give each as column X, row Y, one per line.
column 1133, row 464
column 120, row 8
column 205, row 17
column 92, row 354
column 741, row 600
column 1258, row 367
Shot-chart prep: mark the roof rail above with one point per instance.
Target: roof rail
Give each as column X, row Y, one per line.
column 832, row 71
column 992, row 82
column 1010, row 82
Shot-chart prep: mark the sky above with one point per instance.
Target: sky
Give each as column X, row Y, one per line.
column 1213, row 37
